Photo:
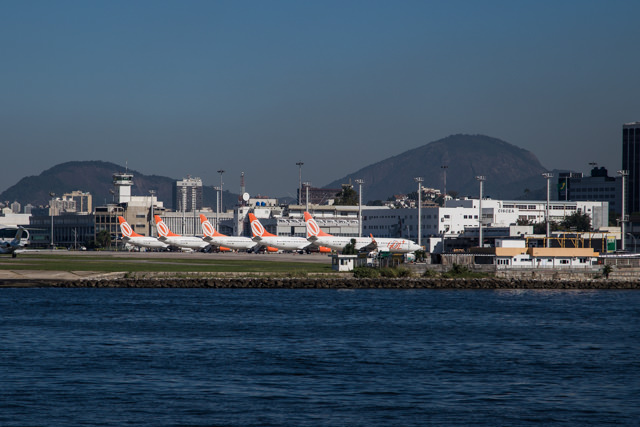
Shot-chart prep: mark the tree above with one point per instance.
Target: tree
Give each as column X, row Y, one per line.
column 347, row 197
column 103, row 239
column 577, row 222
column 541, row 227
column 350, row 248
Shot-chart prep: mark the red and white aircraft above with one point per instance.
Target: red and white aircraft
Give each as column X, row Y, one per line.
column 286, row 243
column 319, row 237
column 224, row 242
column 176, row 240
column 132, row 238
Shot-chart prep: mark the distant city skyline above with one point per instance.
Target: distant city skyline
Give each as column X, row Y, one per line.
column 178, row 89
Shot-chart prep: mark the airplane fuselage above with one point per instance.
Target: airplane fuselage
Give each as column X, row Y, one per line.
column 231, row 242
column 284, row 243
column 187, row 242
column 145, row 242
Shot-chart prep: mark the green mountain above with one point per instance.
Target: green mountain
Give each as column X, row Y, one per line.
column 96, row 177
column 509, row 170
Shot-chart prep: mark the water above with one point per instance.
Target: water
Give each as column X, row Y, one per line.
column 318, row 357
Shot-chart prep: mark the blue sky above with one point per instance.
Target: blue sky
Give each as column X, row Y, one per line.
column 181, row 88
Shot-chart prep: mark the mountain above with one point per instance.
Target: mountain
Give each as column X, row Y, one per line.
column 96, row 177
column 509, row 170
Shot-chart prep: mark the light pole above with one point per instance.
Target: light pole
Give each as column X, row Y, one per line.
column 359, row 182
column 481, row 179
column 217, row 206
column 152, row 192
column 623, row 173
column 51, row 213
column 307, row 184
column 183, row 202
column 444, row 171
column 419, row 180
column 299, row 164
column 220, row 204
column 548, row 177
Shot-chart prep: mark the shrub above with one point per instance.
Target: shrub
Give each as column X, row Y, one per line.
column 366, row 272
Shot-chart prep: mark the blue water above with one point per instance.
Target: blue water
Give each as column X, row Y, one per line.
column 192, row 357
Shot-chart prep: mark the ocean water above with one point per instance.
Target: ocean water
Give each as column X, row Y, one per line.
column 203, row 357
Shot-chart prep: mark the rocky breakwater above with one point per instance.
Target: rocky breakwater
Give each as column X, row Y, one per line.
column 328, row 283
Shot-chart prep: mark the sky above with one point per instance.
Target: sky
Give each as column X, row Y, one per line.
column 179, row 88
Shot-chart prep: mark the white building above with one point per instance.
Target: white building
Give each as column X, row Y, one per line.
column 458, row 215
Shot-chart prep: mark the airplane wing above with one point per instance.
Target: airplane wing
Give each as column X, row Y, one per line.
column 372, row 246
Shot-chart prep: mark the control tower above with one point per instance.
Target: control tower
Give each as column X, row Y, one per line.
column 123, row 183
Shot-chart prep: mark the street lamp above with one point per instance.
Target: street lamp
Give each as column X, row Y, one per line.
column 51, row 213
column 307, row 184
column 299, row 164
column 481, row 179
column 217, row 206
column 152, row 192
column 444, row 170
column 548, row 177
column 221, row 171
column 359, row 182
column 623, row 173
column 419, row 180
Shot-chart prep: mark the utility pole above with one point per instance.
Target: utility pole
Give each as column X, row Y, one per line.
column 481, row 179
column 548, row 177
column 623, row 173
column 419, row 180
column 299, row 164
column 359, row 182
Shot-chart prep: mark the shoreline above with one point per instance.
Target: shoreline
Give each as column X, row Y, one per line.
column 318, row 283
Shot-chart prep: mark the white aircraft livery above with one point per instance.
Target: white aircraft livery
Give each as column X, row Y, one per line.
column 224, row 242
column 287, row 243
column 176, row 240
column 319, row 237
column 11, row 239
column 132, row 238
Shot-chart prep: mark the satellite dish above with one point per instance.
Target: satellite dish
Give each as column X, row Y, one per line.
column 245, row 197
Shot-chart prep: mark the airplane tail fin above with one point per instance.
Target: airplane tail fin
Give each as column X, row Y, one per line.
column 163, row 229
column 257, row 229
column 207, row 228
column 16, row 240
column 313, row 229
column 126, row 229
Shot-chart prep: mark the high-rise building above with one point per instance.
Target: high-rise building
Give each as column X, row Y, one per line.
column 187, row 195
column 631, row 163
column 598, row 186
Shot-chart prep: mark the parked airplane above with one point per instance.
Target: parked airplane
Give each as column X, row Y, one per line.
column 319, row 237
column 286, row 243
column 212, row 236
column 132, row 238
column 176, row 240
column 17, row 240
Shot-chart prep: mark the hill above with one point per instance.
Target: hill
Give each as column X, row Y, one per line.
column 509, row 170
column 95, row 177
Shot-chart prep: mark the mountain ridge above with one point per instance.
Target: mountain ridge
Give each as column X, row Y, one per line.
column 508, row 169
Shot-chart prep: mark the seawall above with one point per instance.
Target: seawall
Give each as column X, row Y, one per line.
column 324, row 283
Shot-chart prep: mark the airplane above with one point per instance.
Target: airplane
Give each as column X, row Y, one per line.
column 212, row 236
column 132, row 238
column 370, row 244
column 286, row 243
column 176, row 240
column 16, row 242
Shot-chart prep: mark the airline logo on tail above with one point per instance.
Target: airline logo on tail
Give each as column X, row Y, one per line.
column 126, row 229
column 163, row 230
column 257, row 228
column 207, row 228
column 313, row 229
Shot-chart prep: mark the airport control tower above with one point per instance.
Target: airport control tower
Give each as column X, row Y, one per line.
column 123, row 183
